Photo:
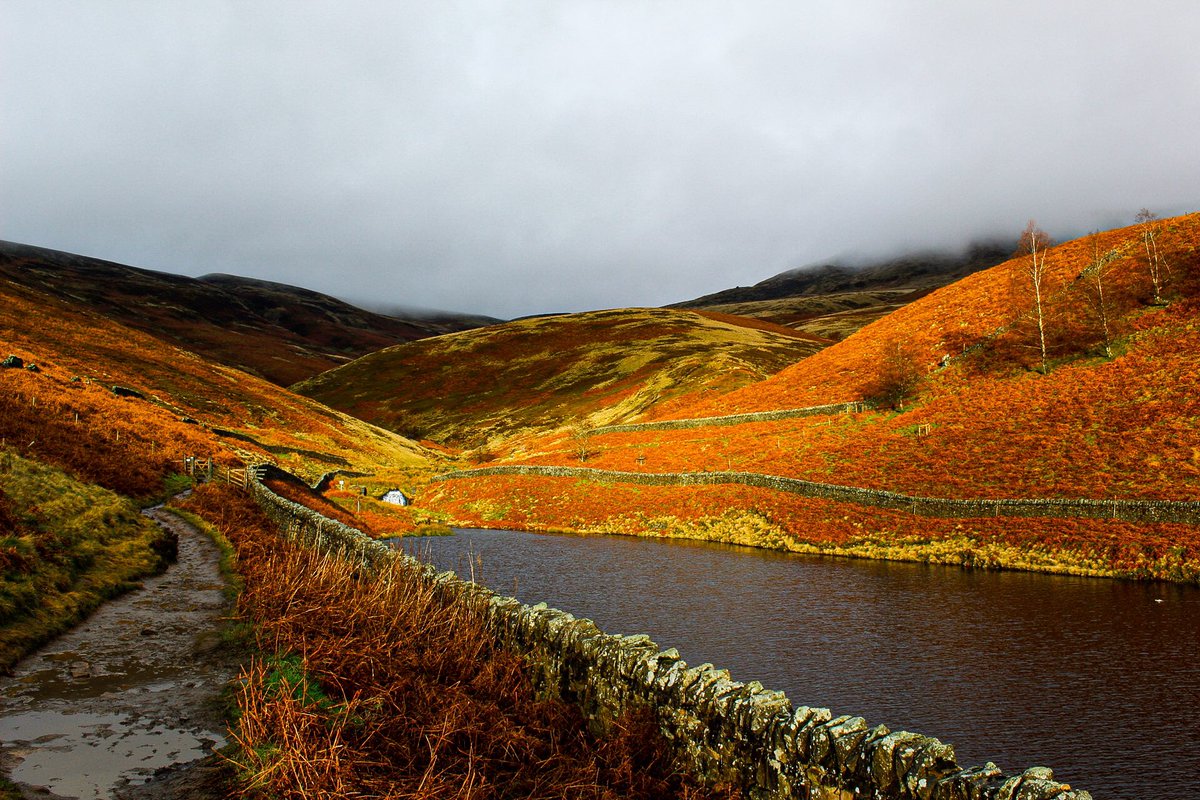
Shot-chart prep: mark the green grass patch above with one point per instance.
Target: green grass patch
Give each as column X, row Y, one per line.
column 9, row 790
column 66, row 548
column 175, row 483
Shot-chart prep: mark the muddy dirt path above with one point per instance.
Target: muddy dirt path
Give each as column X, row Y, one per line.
column 126, row 705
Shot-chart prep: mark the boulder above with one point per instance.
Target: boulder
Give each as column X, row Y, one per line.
column 125, row 391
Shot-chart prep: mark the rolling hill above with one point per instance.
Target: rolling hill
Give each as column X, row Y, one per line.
column 279, row 332
column 477, row 387
column 1111, row 414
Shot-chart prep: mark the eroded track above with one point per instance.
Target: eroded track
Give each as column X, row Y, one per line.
column 126, row 705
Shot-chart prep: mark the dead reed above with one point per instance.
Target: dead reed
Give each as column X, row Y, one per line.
column 369, row 686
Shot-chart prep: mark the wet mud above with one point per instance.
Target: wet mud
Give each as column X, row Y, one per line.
column 127, row 705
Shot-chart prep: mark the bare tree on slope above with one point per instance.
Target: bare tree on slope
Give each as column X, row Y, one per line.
column 1031, row 280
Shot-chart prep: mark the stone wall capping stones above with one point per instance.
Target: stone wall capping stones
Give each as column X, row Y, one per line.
column 724, row 730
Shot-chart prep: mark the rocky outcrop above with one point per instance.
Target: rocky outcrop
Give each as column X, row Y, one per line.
column 126, row 391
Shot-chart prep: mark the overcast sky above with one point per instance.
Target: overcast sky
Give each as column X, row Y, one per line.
column 518, row 157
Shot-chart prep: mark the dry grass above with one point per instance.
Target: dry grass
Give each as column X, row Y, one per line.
column 302, row 494
column 969, row 313
column 371, row 687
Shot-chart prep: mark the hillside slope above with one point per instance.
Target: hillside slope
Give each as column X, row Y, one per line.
column 535, row 374
column 1115, row 420
column 986, row 315
column 170, row 404
column 282, row 333
column 97, row 418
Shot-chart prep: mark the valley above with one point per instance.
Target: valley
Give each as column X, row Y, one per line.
column 932, row 394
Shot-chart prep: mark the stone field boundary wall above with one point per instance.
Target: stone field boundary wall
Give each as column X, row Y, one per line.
column 731, row 419
column 723, row 729
column 1182, row 511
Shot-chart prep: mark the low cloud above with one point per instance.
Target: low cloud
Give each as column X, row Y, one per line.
column 518, row 158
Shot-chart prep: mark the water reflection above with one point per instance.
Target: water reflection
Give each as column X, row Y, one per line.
column 1095, row 678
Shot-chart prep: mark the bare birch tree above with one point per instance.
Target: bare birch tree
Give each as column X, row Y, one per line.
column 581, row 430
column 1148, row 221
column 1035, row 242
column 1095, row 277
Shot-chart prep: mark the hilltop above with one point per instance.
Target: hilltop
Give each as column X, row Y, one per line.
column 278, row 332
column 472, row 388
column 834, row 299
column 982, row 323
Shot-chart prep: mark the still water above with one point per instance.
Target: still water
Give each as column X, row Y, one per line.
column 1097, row 679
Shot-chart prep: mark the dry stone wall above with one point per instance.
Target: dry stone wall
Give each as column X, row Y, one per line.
column 1182, row 511
column 725, row 730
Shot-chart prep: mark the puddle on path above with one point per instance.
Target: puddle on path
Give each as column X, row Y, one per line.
column 101, row 751
column 128, row 693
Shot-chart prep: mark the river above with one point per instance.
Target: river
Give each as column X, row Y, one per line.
column 1097, row 679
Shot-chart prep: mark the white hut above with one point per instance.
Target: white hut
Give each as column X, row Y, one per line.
column 395, row 497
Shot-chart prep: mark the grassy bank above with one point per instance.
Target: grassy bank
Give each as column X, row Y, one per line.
column 65, row 547
column 774, row 520
column 368, row 685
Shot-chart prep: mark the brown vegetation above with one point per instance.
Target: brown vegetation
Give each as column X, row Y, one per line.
column 970, row 321
column 760, row 517
column 299, row 493
column 370, row 686
column 535, row 374
column 68, row 414
column 1112, row 417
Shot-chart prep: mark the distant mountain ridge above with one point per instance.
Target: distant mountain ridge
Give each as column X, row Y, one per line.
column 282, row 333
column 834, row 299
column 918, row 270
